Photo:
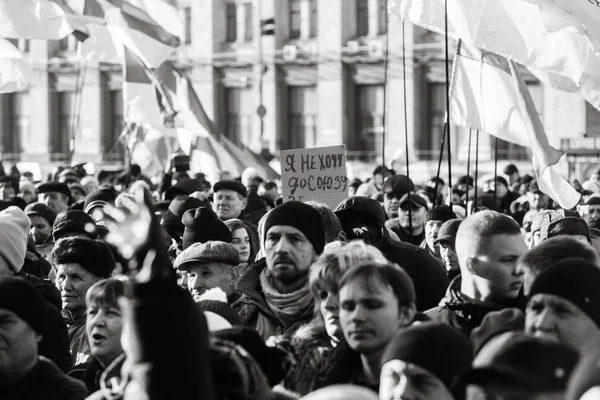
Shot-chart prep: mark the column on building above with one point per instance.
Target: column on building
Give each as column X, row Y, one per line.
column 87, row 117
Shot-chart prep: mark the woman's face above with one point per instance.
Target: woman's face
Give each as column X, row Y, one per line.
column 103, row 328
column 401, row 380
column 330, row 311
column 241, row 241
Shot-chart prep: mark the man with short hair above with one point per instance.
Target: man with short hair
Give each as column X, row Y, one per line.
column 210, row 265
column 56, row 195
column 592, row 211
column 24, row 373
column 412, row 210
column 488, row 245
column 538, row 259
column 79, row 263
column 394, row 188
column 229, row 199
column 42, row 219
column 275, row 298
column 564, row 305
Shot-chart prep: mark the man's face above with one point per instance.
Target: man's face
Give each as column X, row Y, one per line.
column 289, row 253
column 449, row 257
column 501, row 191
column 593, row 213
column 39, row 228
column 418, row 216
column 495, row 266
column 18, row 345
column 538, row 200
column 432, row 228
column 103, row 328
column 401, row 380
column 204, row 276
column 73, row 281
column 57, row 202
column 558, row 319
column 369, row 317
column 228, row 204
column 6, row 191
column 391, row 203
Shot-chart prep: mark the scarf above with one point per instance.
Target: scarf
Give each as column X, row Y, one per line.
column 288, row 307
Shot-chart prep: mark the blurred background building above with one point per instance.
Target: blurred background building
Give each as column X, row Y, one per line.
column 316, row 67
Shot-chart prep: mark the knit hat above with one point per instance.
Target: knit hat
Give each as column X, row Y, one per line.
column 14, row 233
column 42, row 210
column 440, row 213
column 300, row 216
column 231, row 184
column 573, row 279
column 447, row 232
column 55, row 187
column 342, row 392
column 100, row 198
column 361, row 208
column 438, row 348
column 184, row 187
column 73, row 222
column 496, row 323
column 525, row 361
column 93, row 255
column 202, row 225
column 398, row 185
column 566, row 226
column 211, row 251
column 20, row 297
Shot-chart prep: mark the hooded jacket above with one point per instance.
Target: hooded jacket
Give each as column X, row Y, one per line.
column 462, row 313
column 252, row 304
column 427, row 273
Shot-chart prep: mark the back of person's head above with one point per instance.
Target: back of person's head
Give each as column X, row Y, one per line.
column 326, row 272
column 331, row 222
column 536, row 260
column 105, row 293
column 371, row 274
column 135, row 170
column 476, row 230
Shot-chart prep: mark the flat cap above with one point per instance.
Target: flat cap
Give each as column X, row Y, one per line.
column 211, row 251
column 231, row 184
column 55, row 187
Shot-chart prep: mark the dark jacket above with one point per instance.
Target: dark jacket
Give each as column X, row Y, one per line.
column 44, row 382
column 394, row 225
column 35, row 264
column 92, row 372
column 255, row 208
column 55, row 338
column 252, row 304
column 462, row 313
column 78, row 343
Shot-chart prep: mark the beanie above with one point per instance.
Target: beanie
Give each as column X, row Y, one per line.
column 72, row 222
column 93, row 255
column 42, row 210
column 300, row 216
column 20, row 297
column 202, row 225
column 398, row 185
column 438, row 348
column 573, row 279
column 440, row 213
column 14, row 233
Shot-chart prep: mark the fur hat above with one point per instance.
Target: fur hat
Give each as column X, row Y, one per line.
column 93, row 255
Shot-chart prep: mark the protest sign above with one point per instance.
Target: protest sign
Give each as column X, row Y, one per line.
column 317, row 174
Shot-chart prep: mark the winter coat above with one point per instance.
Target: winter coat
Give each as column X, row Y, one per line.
column 462, row 313
column 91, row 373
column 44, row 382
column 35, row 264
column 78, row 342
column 252, row 304
column 55, row 338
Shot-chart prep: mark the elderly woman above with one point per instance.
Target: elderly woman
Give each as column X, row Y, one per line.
column 312, row 342
column 103, row 328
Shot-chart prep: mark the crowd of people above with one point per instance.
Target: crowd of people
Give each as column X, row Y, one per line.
column 115, row 287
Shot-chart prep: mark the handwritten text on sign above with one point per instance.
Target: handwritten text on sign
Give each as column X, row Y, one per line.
column 315, row 174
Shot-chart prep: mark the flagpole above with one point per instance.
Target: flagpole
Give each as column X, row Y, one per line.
column 468, row 162
column 385, row 89
column 448, row 99
column 405, row 116
column 495, row 171
column 439, row 167
column 476, row 169
column 261, row 108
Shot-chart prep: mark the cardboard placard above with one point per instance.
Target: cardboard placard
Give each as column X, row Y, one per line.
column 317, row 174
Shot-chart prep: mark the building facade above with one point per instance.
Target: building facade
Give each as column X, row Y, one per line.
column 319, row 75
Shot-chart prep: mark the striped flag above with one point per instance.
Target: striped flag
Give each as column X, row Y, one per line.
column 489, row 94
column 164, row 12
column 15, row 71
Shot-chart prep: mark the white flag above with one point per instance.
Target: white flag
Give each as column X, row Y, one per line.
column 15, row 71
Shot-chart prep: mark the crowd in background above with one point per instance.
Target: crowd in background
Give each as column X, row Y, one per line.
column 113, row 286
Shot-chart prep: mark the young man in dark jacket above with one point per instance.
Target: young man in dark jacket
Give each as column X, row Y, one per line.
column 488, row 245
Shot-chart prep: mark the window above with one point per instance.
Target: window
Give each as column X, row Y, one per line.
column 367, row 140
column 187, row 21
column 238, row 115
column 382, row 16
column 302, row 110
column 16, row 128
column 362, row 17
column 295, row 19
column 314, row 18
column 231, row 22
column 60, row 138
column 248, row 22
column 113, row 126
